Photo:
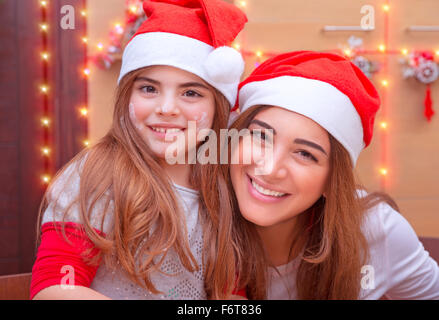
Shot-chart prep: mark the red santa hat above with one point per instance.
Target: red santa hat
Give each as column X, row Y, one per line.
column 324, row 87
column 192, row 35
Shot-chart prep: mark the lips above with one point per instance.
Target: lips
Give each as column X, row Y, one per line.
column 264, row 193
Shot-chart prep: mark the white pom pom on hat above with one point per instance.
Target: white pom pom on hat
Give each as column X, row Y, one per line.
column 193, row 36
column 224, row 65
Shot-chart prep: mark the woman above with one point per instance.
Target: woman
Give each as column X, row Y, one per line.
column 308, row 230
column 138, row 226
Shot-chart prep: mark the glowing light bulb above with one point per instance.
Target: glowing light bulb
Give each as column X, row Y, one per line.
column 83, row 13
column 45, row 56
column 83, row 111
column 119, row 28
column 84, row 39
column 100, row 46
column 384, row 171
column 45, row 122
column 43, row 3
column 404, row 51
column 86, row 143
column 386, row 8
column 44, row 27
column 45, row 178
column 259, row 54
column 348, row 52
column 383, row 125
column 133, row 9
column 44, row 88
column 385, row 83
column 382, row 47
column 86, row 72
column 45, row 151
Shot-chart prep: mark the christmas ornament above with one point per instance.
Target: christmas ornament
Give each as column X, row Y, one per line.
column 353, row 49
column 120, row 34
column 422, row 66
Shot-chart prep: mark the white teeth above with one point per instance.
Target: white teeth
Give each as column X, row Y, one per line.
column 173, row 130
column 266, row 191
column 166, row 130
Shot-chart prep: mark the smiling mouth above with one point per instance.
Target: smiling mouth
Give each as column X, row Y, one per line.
column 266, row 192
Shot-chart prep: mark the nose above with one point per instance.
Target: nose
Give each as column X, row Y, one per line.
column 270, row 164
column 168, row 106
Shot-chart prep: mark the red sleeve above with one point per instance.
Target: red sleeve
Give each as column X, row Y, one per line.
column 240, row 292
column 57, row 260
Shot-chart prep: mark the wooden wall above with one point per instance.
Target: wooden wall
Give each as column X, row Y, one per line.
column 102, row 83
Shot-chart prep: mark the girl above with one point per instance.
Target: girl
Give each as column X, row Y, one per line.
column 121, row 220
column 308, row 231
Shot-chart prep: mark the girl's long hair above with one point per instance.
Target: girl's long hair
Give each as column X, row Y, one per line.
column 328, row 236
column 145, row 206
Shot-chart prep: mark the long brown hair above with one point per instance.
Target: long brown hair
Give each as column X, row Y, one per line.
column 328, row 237
column 145, row 206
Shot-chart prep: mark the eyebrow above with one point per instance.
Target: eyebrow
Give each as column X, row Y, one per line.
column 297, row 140
column 262, row 124
column 310, row 144
column 183, row 85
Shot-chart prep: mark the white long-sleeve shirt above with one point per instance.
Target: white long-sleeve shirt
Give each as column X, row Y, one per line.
column 399, row 267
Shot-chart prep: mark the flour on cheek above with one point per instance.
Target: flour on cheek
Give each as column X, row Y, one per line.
column 203, row 125
column 202, row 121
column 139, row 126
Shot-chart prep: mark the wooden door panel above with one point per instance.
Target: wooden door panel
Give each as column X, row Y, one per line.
column 21, row 105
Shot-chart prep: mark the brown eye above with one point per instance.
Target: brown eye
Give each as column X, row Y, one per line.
column 148, row 89
column 192, row 93
column 307, row 155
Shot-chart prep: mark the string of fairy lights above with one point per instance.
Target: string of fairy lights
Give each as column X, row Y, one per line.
column 45, row 90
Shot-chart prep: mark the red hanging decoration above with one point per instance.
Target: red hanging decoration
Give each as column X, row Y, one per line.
column 428, row 111
column 422, row 66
